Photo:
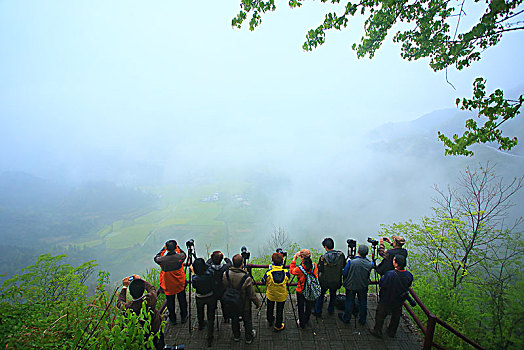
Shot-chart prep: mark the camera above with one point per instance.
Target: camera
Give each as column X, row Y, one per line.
column 130, row 278
column 190, row 243
column 245, row 254
column 351, row 243
column 279, row 250
column 373, row 242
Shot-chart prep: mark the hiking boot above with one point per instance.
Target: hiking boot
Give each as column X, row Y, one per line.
column 254, row 333
column 184, row 318
column 276, row 329
column 375, row 333
column 316, row 314
column 270, row 323
column 236, row 339
column 210, row 342
column 341, row 317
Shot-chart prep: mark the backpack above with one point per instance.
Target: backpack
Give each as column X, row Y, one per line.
column 311, row 287
column 232, row 301
column 330, row 274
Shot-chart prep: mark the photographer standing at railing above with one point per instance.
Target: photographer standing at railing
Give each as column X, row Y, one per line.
column 173, row 278
column 356, row 280
column 276, row 279
column 394, row 286
column 330, row 266
column 396, row 243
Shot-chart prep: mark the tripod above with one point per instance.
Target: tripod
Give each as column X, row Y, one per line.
column 245, row 257
column 289, row 293
column 374, row 259
column 191, row 253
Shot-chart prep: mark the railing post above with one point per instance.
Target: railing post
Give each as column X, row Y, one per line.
column 430, row 331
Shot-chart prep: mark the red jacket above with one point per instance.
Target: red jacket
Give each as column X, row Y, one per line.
column 172, row 275
column 295, row 270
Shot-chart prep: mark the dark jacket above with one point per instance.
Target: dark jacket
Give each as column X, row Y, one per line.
column 136, row 305
column 393, row 286
column 247, row 291
column 330, row 266
column 356, row 274
column 387, row 262
column 204, row 284
column 218, row 273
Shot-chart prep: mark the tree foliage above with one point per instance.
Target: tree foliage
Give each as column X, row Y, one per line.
column 48, row 307
column 424, row 29
column 467, row 259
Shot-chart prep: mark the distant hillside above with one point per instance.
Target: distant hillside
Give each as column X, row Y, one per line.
column 420, row 136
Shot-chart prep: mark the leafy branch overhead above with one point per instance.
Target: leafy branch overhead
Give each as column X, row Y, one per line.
column 429, row 29
column 495, row 108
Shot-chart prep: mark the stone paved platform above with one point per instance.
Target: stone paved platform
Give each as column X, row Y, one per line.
column 328, row 332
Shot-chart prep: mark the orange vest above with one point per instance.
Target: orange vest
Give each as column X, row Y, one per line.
column 172, row 282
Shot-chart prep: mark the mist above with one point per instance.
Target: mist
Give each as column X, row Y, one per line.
column 143, row 97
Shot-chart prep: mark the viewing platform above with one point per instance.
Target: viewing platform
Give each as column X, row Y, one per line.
column 328, row 332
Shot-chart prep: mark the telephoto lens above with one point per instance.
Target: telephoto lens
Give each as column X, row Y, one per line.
column 190, row 243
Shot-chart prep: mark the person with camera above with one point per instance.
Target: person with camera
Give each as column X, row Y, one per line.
column 307, row 267
column 205, row 287
column 218, row 264
column 276, row 279
column 235, row 277
column 330, row 266
column 356, row 280
column 173, row 279
column 396, row 243
column 136, row 287
column 394, row 290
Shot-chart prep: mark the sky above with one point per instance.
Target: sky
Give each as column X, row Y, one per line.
column 147, row 93
column 86, row 83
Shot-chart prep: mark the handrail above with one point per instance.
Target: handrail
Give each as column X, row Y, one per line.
column 428, row 330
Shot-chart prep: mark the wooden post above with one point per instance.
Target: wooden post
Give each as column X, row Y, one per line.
column 430, row 331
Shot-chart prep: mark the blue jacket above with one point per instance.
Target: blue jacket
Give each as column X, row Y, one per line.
column 393, row 286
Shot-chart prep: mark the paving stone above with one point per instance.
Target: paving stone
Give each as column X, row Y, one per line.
column 326, row 333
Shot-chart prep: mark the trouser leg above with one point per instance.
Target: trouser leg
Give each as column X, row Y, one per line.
column 301, row 306
column 170, row 301
column 319, row 303
column 211, row 309
column 248, row 324
column 396, row 312
column 270, row 310
column 380, row 315
column 200, row 302
column 182, row 303
column 332, row 300
column 309, row 307
column 349, row 304
column 362, row 305
column 280, row 314
column 235, row 326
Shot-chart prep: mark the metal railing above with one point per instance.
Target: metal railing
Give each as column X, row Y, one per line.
column 428, row 330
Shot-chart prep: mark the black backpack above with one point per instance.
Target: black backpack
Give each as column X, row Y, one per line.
column 232, row 301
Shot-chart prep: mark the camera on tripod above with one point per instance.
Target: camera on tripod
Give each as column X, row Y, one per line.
column 351, row 243
column 245, row 254
column 279, row 250
column 190, row 243
column 373, row 242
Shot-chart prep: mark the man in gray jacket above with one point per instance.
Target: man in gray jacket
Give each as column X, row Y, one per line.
column 356, row 280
